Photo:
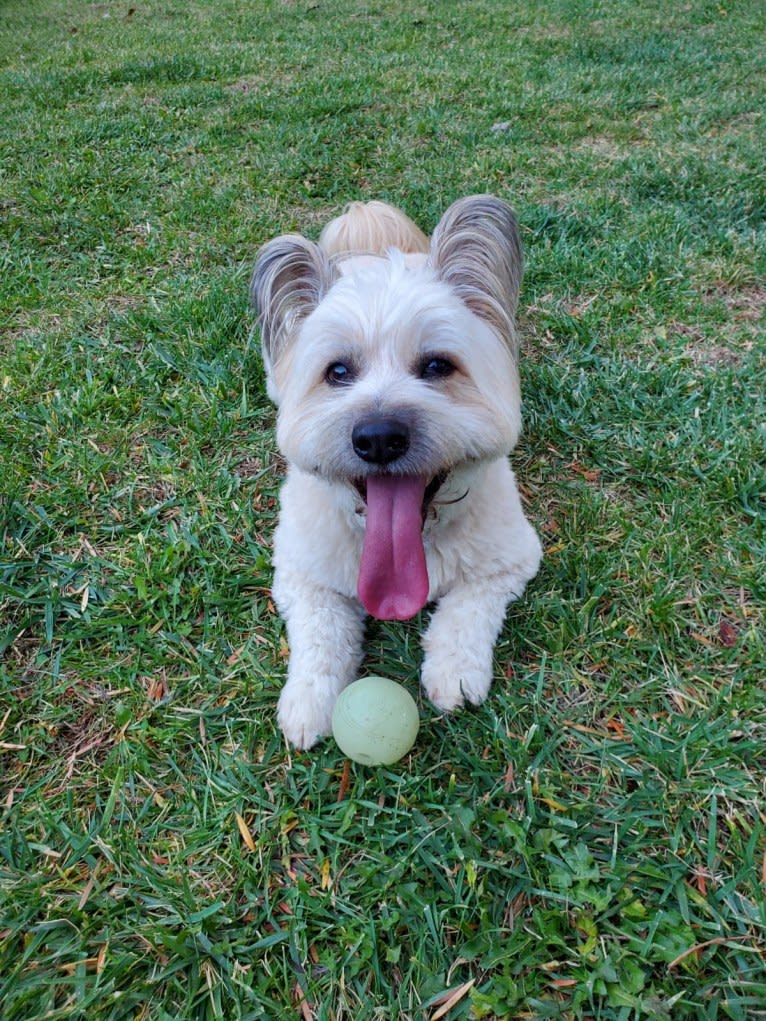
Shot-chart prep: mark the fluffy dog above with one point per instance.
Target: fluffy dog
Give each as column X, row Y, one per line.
column 393, row 363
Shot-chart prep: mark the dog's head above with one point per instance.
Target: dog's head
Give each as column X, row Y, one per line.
column 351, row 347
column 395, row 370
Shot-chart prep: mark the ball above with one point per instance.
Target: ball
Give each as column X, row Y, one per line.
column 375, row 721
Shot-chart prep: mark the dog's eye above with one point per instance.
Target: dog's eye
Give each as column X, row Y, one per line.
column 436, row 368
column 338, row 374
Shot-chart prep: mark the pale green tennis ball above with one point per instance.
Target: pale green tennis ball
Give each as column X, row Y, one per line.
column 375, row 721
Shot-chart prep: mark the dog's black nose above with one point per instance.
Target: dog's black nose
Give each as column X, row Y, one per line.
column 381, row 440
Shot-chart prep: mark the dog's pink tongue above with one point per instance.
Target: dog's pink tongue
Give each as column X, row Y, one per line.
column 393, row 579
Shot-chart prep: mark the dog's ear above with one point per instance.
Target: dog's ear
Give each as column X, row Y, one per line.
column 476, row 249
column 290, row 278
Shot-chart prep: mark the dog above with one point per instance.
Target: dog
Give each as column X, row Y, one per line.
column 393, row 364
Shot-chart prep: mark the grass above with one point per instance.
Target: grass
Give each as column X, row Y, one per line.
column 588, row 844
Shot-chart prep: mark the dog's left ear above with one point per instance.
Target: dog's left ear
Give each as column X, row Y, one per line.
column 476, row 249
column 290, row 278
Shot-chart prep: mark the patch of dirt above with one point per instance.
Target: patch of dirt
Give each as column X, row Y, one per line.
column 602, row 146
column 247, row 85
column 746, row 303
column 699, row 349
column 717, row 356
column 249, row 468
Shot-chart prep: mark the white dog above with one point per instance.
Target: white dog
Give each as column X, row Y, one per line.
column 393, row 365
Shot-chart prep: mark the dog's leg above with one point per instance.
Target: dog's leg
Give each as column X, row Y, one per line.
column 325, row 632
column 461, row 637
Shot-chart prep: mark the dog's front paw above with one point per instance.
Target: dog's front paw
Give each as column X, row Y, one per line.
column 305, row 713
column 448, row 684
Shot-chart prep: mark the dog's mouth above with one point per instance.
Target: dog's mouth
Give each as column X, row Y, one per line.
column 433, row 487
column 393, row 577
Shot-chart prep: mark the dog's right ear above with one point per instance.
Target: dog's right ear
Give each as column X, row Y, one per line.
column 290, row 278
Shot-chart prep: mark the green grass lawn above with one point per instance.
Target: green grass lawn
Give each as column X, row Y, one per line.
column 591, row 842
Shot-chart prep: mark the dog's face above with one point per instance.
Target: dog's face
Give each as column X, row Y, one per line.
column 426, row 343
column 393, row 372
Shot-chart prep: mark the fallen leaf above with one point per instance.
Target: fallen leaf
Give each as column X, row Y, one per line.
column 235, row 656
column 305, row 1007
column 550, row 965
column 700, row 880
column 727, row 634
column 555, row 805
column 345, row 780
column 453, row 997
column 616, row 727
column 244, row 831
column 325, row 873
